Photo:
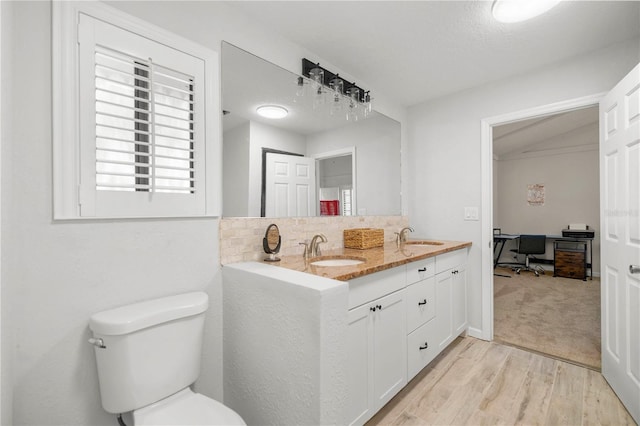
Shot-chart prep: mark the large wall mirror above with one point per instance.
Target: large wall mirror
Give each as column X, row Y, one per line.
column 315, row 161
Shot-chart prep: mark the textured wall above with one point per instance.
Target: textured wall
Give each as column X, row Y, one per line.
column 571, row 196
column 284, row 345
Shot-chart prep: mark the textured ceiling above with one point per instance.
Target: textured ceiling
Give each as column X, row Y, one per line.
column 414, row 51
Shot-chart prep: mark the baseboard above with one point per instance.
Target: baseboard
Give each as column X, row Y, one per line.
column 476, row 332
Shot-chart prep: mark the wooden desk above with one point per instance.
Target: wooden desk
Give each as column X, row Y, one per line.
column 499, row 240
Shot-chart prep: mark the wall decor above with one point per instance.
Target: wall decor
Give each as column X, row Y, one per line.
column 535, row 194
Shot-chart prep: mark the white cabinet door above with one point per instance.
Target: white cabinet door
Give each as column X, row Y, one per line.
column 360, row 366
column 451, row 300
column 389, row 347
column 459, row 300
column 444, row 321
column 377, row 357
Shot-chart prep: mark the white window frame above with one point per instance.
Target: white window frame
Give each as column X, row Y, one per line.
column 67, row 191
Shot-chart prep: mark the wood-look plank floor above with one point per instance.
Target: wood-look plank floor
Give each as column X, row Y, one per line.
column 474, row 382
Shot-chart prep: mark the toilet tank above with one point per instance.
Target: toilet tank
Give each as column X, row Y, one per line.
column 151, row 349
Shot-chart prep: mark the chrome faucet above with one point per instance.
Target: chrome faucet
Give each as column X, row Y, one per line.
column 314, row 245
column 401, row 236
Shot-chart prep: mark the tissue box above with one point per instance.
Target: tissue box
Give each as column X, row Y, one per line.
column 363, row 238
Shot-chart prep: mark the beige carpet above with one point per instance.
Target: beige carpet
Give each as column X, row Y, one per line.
column 555, row 316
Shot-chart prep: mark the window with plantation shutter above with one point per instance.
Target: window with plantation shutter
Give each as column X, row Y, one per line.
column 142, row 125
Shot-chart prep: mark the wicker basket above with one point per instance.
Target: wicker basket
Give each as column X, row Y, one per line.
column 363, row 238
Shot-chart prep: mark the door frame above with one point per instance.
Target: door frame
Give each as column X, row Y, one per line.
column 351, row 150
column 486, row 153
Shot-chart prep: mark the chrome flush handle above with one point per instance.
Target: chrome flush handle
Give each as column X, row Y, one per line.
column 99, row 343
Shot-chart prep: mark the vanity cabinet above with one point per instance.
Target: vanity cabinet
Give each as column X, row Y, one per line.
column 344, row 348
column 376, row 345
column 451, row 296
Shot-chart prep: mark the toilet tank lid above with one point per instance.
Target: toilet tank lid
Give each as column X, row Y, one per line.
column 130, row 318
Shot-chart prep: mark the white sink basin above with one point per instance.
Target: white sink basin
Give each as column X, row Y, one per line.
column 336, row 262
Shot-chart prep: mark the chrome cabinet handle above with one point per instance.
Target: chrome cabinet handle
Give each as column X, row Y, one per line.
column 634, row 269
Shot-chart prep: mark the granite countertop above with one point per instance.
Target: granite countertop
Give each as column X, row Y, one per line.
column 375, row 259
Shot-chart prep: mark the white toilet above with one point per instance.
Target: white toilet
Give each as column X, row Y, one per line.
column 148, row 354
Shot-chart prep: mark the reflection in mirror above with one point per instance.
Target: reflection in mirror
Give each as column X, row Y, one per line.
column 271, row 242
column 336, row 182
column 324, row 149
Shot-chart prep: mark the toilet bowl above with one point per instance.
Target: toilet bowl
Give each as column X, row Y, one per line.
column 186, row 408
column 148, row 356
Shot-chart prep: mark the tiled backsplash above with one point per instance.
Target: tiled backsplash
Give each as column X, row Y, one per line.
column 241, row 238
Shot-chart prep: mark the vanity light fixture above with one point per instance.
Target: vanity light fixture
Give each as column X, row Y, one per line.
column 509, row 11
column 272, row 111
column 340, row 94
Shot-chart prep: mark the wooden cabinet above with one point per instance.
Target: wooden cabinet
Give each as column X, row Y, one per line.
column 570, row 259
column 376, row 355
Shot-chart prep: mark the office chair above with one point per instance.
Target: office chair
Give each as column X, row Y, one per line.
column 530, row 245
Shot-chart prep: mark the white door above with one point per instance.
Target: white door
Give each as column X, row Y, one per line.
column 620, row 240
column 290, row 186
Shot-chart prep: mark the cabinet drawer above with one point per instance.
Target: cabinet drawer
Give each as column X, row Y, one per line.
column 422, row 348
column 417, row 271
column 449, row 260
column 421, row 306
column 570, row 256
column 374, row 286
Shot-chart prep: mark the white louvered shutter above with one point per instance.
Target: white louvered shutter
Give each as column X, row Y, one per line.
column 141, row 126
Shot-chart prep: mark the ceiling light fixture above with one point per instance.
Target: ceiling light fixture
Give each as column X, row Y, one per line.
column 509, row 11
column 272, row 111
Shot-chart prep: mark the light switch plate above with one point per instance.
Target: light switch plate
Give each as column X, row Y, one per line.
column 471, row 213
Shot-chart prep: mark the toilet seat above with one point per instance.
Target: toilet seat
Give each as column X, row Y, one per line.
column 186, row 408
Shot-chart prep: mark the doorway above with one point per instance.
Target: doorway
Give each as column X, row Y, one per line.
column 539, row 309
column 488, row 188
